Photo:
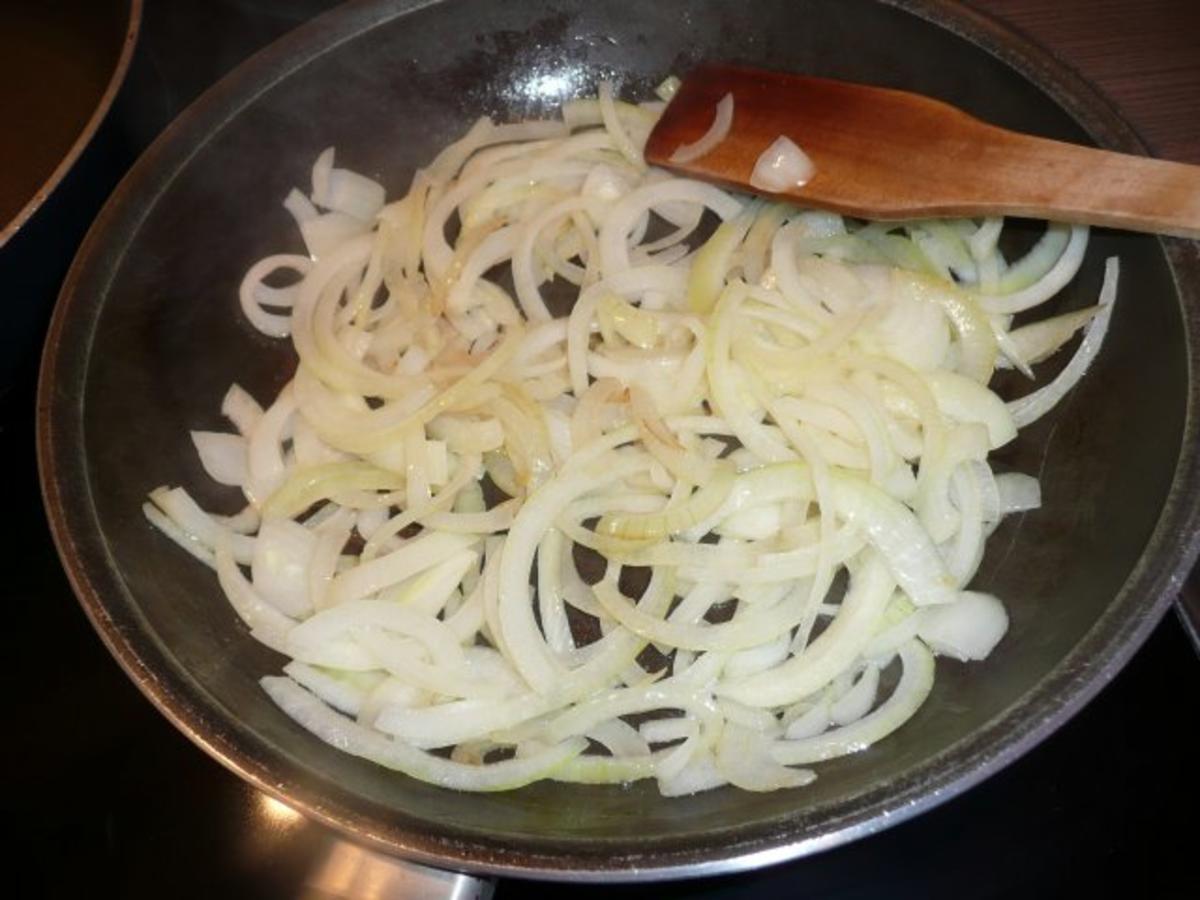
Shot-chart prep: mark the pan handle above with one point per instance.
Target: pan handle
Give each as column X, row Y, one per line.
column 350, row 872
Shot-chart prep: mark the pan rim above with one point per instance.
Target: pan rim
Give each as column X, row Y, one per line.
column 128, row 43
column 1074, row 681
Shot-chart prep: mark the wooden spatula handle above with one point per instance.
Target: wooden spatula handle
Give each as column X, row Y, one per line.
column 1069, row 182
column 887, row 154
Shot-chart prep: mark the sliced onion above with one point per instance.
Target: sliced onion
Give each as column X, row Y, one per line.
column 728, row 425
column 266, row 623
column 1039, row 340
column 744, row 759
column 1049, row 284
column 717, row 132
column 1033, row 406
column 616, row 128
column 346, row 692
column 965, row 400
column 198, row 525
column 223, row 456
column 781, row 167
column 301, row 208
column 680, row 517
column 903, row 543
column 279, row 569
column 329, row 231
column 969, row 628
column 414, row 557
column 857, row 701
column 241, row 409
column 353, row 194
column 916, row 681
column 699, row 774
column 832, row 651
column 810, row 723
column 667, row 88
column 321, row 170
column 254, row 294
column 982, row 242
column 350, row 737
column 1018, row 493
column 708, row 273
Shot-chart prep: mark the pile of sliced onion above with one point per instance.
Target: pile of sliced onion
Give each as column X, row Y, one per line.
column 723, row 423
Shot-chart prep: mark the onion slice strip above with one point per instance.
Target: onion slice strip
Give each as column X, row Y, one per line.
column 717, row 132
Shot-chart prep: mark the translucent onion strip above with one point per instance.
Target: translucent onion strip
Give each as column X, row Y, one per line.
column 717, row 131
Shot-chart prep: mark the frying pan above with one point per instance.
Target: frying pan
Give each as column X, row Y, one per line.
column 61, row 62
column 146, row 338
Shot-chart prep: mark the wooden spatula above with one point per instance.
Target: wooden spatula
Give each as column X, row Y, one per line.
column 887, row 154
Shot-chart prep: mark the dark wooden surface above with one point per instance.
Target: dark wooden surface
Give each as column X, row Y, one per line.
column 1143, row 54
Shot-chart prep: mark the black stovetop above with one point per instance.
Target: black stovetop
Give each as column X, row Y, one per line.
column 104, row 798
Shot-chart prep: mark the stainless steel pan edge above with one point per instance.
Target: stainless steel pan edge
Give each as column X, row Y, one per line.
column 116, row 78
column 1169, row 555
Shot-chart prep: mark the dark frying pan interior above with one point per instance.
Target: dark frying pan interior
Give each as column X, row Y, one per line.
column 147, row 338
